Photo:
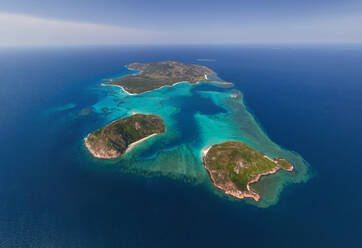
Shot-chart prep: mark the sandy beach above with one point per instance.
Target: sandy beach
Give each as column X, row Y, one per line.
column 205, row 151
column 130, row 146
column 133, row 94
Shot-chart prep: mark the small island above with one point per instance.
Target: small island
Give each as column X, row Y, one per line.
column 153, row 76
column 234, row 166
column 113, row 140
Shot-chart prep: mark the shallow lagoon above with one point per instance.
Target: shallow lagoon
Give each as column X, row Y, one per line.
column 196, row 116
column 53, row 194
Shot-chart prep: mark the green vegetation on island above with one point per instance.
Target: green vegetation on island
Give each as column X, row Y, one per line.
column 113, row 140
column 155, row 75
column 233, row 166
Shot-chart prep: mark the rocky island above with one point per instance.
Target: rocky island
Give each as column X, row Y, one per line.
column 113, row 140
column 234, row 166
column 156, row 75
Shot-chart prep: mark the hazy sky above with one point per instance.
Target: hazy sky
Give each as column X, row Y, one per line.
column 93, row 22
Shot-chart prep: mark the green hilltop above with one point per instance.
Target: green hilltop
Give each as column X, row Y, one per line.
column 113, row 140
column 166, row 73
column 233, row 166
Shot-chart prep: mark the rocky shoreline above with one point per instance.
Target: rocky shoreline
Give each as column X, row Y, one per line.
column 104, row 155
column 238, row 193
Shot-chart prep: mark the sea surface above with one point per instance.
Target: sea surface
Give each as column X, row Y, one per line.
column 303, row 103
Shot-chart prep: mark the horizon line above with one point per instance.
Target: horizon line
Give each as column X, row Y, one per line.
column 189, row 44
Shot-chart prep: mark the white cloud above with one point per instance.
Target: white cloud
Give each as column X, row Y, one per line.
column 323, row 29
column 18, row 30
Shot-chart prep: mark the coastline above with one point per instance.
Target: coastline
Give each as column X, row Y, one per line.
column 116, row 154
column 238, row 193
column 128, row 93
column 205, row 151
column 133, row 94
column 95, row 154
column 130, row 146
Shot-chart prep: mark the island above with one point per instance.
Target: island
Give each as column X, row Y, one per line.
column 115, row 139
column 153, row 76
column 233, row 166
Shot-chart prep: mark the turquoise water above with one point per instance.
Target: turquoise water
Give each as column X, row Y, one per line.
column 307, row 100
column 196, row 116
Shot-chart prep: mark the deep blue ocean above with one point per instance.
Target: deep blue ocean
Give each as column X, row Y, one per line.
column 307, row 99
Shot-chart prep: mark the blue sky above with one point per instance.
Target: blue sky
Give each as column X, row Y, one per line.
column 91, row 22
